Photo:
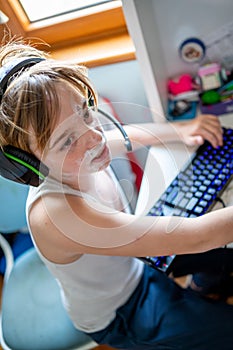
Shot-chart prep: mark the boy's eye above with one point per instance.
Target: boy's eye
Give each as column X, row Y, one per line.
column 68, row 142
column 88, row 118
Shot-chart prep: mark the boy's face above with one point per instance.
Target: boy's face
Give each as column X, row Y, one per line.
column 77, row 146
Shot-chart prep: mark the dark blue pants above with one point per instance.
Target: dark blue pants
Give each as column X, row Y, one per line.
column 161, row 315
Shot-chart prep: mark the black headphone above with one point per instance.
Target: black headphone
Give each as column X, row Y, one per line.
column 18, row 165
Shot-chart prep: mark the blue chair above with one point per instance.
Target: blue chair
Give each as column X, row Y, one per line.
column 32, row 316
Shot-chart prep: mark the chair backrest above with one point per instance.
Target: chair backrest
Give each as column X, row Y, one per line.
column 33, row 316
column 12, row 205
column 30, row 295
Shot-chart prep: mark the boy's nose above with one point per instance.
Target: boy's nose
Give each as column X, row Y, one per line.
column 93, row 138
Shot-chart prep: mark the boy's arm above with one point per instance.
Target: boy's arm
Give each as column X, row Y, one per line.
column 80, row 229
column 192, row 132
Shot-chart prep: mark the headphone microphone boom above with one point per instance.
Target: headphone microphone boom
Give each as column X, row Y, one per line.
column 110, row 117
column 18, row 165
column 128, row 144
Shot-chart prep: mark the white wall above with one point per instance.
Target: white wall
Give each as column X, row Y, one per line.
column 177, row 20
column 122, row 84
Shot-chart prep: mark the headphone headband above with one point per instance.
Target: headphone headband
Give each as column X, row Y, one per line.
column 7, row 71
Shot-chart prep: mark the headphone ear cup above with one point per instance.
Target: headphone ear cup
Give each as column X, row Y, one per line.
column 27, row 158
column 35, row 171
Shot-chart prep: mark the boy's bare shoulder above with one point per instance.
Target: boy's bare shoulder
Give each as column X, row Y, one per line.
column 52, row 242
column 46, row 207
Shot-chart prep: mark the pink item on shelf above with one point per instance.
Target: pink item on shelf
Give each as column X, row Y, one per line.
column 210, row 75
column 180, row 84
column 209, row 69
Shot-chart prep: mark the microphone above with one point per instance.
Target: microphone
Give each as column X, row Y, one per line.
column 127, row 143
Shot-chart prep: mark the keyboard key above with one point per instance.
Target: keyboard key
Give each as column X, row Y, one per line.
column 199, row 194
column 203, row 203
column 167, row 210
column 183, row 203
column 184, row 214
column 198, row 210
column 217, row 182
column 202, row 177
column 177, row 199
column 172, row 194
column 189, row 183
column 206, row 182
column 226, row 171
column 215, row 171
column 207, row 197
column 193, row 189
column 202, row 188
column 221, row 176
column 211, row 177
column 177, row 212
column 211, row 191
column 191, row 204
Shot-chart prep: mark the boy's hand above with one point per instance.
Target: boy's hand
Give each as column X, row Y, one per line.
column 203, row 127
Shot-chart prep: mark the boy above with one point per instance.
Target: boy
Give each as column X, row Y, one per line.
column 80, row 222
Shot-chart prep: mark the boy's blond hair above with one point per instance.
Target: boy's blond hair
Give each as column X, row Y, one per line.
column 30, row 100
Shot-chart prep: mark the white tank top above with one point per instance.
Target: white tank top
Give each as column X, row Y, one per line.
column 92, row 287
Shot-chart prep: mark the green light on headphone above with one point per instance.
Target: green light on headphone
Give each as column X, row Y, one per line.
column 37, row 172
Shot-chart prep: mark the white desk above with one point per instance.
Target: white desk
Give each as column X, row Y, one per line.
column 162, row 165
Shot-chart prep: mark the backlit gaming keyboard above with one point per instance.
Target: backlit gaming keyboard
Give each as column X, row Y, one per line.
column 196, row 188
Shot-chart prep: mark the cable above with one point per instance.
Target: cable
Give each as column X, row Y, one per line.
column 218, row 199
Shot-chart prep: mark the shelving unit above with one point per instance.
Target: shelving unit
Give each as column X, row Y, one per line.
column 158, row 27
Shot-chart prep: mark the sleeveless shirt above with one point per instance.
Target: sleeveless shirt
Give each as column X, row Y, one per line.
column 94, row 286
